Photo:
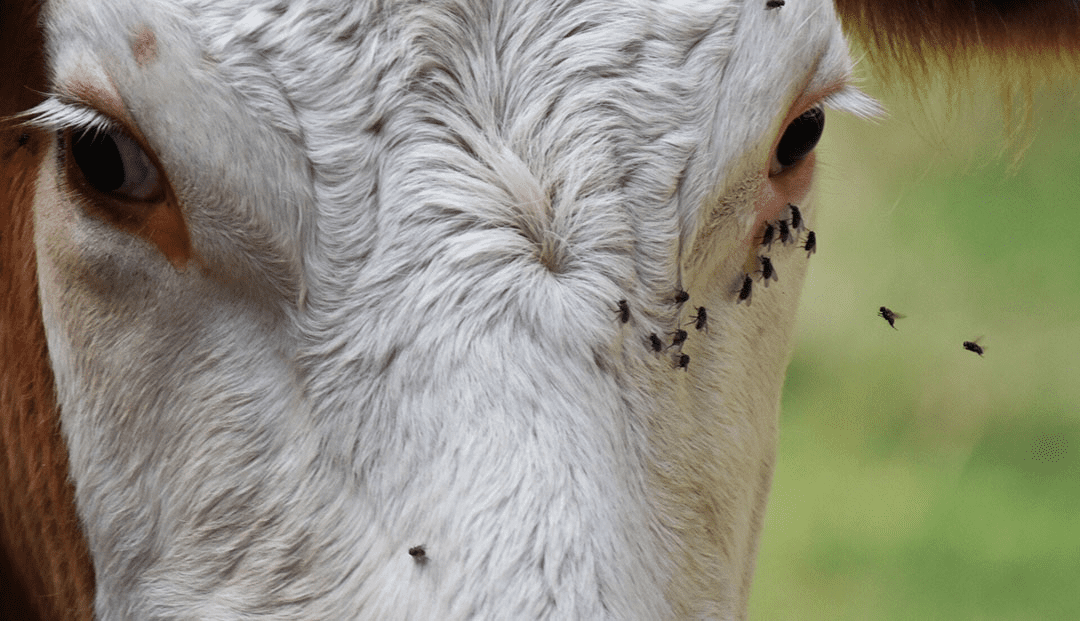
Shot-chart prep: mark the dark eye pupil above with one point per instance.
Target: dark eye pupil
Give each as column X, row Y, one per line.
column 99, row 159
column 800, row 137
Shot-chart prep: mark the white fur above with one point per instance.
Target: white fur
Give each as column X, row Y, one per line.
column 389, row 341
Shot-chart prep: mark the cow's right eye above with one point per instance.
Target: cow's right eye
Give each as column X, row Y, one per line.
column 113, row 163
column 800, row 138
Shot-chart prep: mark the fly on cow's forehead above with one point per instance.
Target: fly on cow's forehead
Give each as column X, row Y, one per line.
column 419, row 554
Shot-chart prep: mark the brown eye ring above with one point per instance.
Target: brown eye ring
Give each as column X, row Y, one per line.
column 118, row 181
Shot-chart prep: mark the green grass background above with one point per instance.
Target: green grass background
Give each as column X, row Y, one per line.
column 915, row 479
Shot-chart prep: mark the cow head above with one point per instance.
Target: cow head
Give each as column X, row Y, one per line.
column 427, row 310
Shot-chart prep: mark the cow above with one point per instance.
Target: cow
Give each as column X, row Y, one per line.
column 391, row 309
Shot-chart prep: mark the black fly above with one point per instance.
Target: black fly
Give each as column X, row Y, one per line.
column 745, row 290
column 974, row 346
column 785, row 232
column 796, row 217
column 681, row 296
column 682, row 361
column 624, row 311
column 768, row 272
column 767, row 236
column 773, row 4
column 811, row 244
column 680, row 338
column 889, row 315
column 419, row 554
column 701, row 321
column 655, row 343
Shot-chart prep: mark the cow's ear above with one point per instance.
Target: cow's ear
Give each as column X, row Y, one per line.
column 1022, row 38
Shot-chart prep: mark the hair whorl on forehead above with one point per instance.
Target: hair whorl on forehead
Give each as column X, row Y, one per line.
column 1024, row 40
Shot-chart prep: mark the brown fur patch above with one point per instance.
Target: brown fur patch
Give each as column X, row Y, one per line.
column 1024, row 41
column 45, row 569
column 144, row 47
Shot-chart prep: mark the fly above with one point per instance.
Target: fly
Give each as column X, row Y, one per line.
column 679, row 339
column 746, row 289
column 811, row 244
column 785, row 232
column 768, row 272
column 974, row 346
column 796, row 217
column 767, row 236
column 682, row 361
column 889, row 315
column 655, row 342
column 701, row 321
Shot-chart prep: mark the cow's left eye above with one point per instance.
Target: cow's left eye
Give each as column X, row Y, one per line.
column 799, row 139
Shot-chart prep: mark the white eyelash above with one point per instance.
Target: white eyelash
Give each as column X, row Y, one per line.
column 851, row 99
column 55, row 115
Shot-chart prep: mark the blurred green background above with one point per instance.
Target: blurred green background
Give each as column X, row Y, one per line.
column 915, row 479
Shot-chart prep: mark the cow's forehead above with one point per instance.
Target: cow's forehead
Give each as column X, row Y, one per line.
column 352, row 114
column 506, row 67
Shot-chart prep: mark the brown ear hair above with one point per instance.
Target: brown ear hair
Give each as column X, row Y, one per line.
column 45, row 569
column 1022, row 39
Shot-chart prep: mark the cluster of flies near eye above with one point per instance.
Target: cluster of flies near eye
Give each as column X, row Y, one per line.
column 891, row 316
column 785, row 231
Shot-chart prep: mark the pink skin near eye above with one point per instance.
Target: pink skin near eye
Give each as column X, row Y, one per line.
column 791, row 185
